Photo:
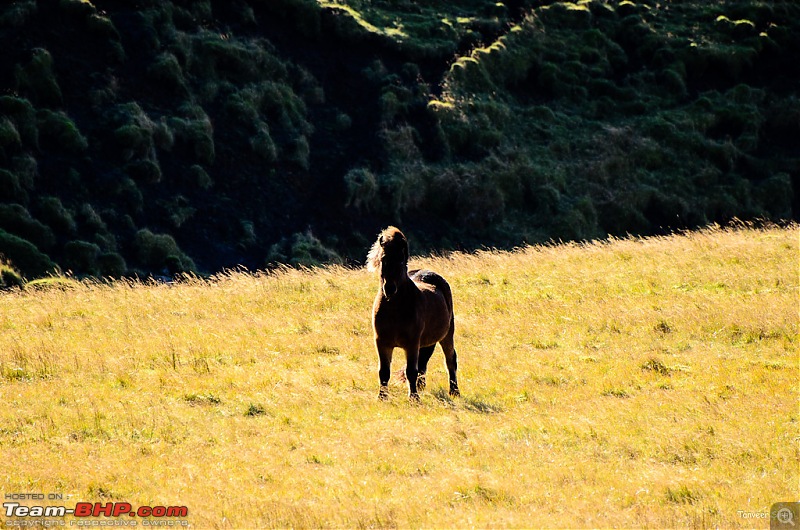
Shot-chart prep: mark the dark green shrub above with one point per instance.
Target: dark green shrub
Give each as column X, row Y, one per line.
column 37, row 79
column 145, row 171
column 10, row 189
column 111, row 265
column 53, row 213
column 10, row 140
column 263, row 145
column 166, row 70
column 738, row 29
column 23, row 116
column 26, row 168
column 81, row 257
column 565, row 15
column 303, row 249
column 17, row 14
column 200, row 177
column 128, row 193
column 307, row 250
column 163, row 137
column 89, row 219
column 242, row 106
column 280, row 104
column 343, row 122
column 102, row 27
column 137, row 134
column 214, row 56
column 195, row 133
column 479, row 202
column 362, row 188
column 30, row 261
column 774, row 195
column 134, row 141
column 304, row 16
column 161, row 252
column 59, row 133
column 15, row 219
column 299, row 152
column 79, row 8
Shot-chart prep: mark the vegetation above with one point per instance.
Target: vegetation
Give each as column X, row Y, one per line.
column 627, row 383
column 472, row 122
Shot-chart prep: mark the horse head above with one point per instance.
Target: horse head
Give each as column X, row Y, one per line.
column 389, row 255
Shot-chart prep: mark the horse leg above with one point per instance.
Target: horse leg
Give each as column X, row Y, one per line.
column 385, row 356
column 412, row 358
column 452, row 362
column 422, row 365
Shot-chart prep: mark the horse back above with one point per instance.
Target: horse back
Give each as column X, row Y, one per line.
column 440, row 285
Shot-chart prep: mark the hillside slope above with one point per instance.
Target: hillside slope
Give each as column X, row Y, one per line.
column 156, row 137
column 640, row 383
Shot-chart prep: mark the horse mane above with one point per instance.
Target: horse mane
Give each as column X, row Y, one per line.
column 376, row 253
column 375, row 256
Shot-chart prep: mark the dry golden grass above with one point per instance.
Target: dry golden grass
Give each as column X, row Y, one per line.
column 633, row 383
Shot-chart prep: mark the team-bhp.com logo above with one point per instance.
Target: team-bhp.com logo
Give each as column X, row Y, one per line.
column 151, row 515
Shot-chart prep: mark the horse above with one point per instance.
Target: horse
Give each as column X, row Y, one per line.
column 413, row 310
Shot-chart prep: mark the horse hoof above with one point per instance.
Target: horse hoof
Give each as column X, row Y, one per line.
column 454, row 392
column 414, row 398
column 383, row 395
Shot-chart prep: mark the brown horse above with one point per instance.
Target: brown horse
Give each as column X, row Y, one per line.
column 413, row 311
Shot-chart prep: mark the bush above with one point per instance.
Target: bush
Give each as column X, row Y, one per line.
column 10, row 140
column 89, row 219
column 52, row 212
column 166, row 70
column 128, row 194
column 26, row 168
column 195, row 133
column 302, row 15
column 17, row 15
column 237, row 60
column 199, row 177
column 22, row 115
column 80, row 8
column 303, row 250
column 111, row 265
column 161, row 252
column 37, row 79
column 81, row 257
column 10, row 189
column 775, row 194
column 25, row 256
column 362, row 188
column 263, row 145
column 15, row 219
column 102, row 27
column 59, row 133
column 145, row 171
column 299, row 152
column 137, row 135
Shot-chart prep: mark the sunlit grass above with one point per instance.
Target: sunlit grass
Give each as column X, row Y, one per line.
column 635, row 383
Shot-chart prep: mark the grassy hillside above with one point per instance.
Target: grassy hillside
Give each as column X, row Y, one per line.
column 154, row 137
column 632, row 383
